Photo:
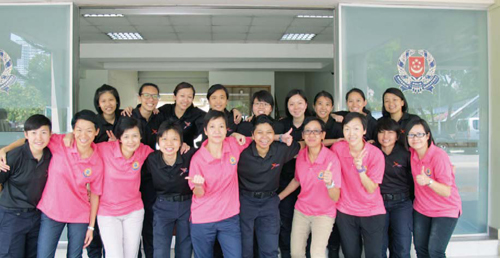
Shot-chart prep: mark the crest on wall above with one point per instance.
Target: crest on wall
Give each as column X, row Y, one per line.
column 420, row 75
column 6, row 78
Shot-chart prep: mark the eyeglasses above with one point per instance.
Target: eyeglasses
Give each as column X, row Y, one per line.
column 147, row 95
column 314, row 132
column 418, row 135
column 261, row 104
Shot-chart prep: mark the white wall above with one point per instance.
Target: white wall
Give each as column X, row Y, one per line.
column 241, row 78
column 126, row 82
column 316, row 82
column 167, row 81
column 90, row 80
column 286, row 81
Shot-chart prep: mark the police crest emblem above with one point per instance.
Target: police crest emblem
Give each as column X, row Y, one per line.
column 421, row 70
column 6, row 78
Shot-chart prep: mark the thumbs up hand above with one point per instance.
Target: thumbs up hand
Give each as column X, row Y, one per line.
column 423, row 179
column 197, row 180
column 287, row 138
column 327, row 175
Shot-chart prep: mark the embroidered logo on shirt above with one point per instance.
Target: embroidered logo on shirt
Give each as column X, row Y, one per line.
column 135, row 165
column 87, row 172
column 274, row 165
column 232, row 160
column 428, row 172
column 229, row 129
column 395, row 164
column 187, row 124
column 153, row 131
column 184, row 171
column 320, row 175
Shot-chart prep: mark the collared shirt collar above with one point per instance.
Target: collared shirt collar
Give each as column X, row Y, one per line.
column 347, row 152
column 45, row 155
column 206, row 154
column 430, row 152
column 73, row 149
column 321, row 156
column 164, row 165
column 270, row 152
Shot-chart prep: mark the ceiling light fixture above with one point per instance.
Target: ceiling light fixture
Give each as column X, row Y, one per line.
column 315, row 16
column 102, row 15
column 124, row 35
column 298, row 36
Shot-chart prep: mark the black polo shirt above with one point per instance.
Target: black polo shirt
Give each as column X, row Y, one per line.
column 104, row 126
column 149, row 127
column 405, row 120
column 333, row 129
column 246, row 128
column 188, row 120
column 397, row 174
column 371, row 127
column 169, row 180
column 257, row 174
column 23, row 184
column 289, row 168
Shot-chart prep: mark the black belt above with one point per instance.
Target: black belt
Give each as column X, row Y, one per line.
column 176, row 198
column 395, row 196
column 259, row 195
column 20, row 209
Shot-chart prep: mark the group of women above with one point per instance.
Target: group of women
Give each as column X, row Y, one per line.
column 255, row 188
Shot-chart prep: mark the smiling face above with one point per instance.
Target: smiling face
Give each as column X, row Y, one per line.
column 260, row 107
column 297, row 106
column 355, row 102
column 393, row 104
column 84, row 132
column 130, row 140
column 218, row 100
column 387, row 138
column 323, row 107
column 38, row 139
column 312, row 134
column 263, row 136
column 149, row 98
column 354, row 132
column 416, row 142
column 184, row 98
column 216, row 130
column 107, row 103
column 170, row 143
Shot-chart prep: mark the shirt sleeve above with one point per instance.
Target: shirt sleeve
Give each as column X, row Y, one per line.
column 297, row 167
column 336, row 171
column 97, row 181
column 376, row 165
column 12, row 163
column 55, row 142
column 443, row 172
column 235, row 144
column 290, row 151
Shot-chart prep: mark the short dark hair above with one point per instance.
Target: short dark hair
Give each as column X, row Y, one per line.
column 262, row 119
column 398, row 93
column 313, row 119
column 103, row 89
column 292, row 93
column 211, row 115
column 215, row 88
column 360, row 92
column 34, row 122
column 263, row 95
column 85, row 115
column 353, row 115
column 387, row 124
column 323, row 94
column 3, row 113
column 424, row 124
column 125, row 124
column 148, row 84
column 170, row 124
column 184, row 85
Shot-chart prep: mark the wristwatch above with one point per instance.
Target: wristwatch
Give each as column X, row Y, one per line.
column 430, row 182
column 363, row 169
column 332, row 185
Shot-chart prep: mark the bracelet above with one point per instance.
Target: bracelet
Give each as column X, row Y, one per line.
column 430, row 182
column 363, row 169
column 91, row 228
column 332, row 185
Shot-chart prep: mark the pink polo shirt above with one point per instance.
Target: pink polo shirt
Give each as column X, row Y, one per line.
column 437, row 166
column 122, row 178
column 354, row 199
column 64, row 198
column 221, row 199
column 313, row 199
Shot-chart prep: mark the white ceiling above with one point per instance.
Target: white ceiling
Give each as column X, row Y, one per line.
column 247, row 26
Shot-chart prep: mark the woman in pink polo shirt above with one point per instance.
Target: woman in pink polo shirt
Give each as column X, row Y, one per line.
column 214, row 180
column 437, row 204
column 121, row 211
column 361, row 211
column 318, row 174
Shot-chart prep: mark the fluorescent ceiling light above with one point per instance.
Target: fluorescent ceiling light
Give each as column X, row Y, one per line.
column 298, row 36
column 124, row 35
column 102, row 15
column 316, row 16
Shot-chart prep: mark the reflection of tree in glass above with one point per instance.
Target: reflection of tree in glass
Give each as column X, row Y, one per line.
column 23, row 101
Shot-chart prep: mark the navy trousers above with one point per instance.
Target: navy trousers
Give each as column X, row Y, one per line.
column 19, row 233
column 398, row 228
column 228, row 233
column 50, row 232
column 432, row 234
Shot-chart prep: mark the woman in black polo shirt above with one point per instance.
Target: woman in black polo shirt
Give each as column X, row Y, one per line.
column 396, row 189
column 396, row 107
column 262, row 104
column 172, row 208
column 107, row 105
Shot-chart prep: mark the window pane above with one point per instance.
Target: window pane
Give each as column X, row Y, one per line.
column 373, row 40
